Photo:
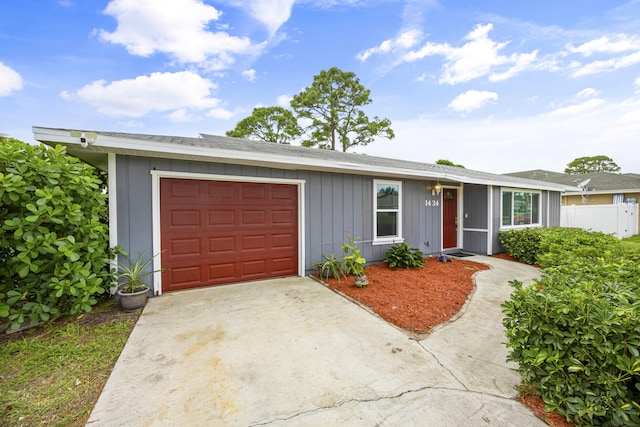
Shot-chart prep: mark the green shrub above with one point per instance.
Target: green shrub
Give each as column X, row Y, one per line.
column 403, row 256
column 574, row 333
column 523, row 244
column 54, row 251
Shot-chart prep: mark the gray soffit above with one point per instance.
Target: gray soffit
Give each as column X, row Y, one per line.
column 221, row 149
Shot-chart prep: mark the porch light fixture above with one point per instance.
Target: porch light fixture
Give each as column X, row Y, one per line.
column 435, row 191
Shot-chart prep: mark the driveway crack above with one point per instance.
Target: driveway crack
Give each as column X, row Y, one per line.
column 462, row 384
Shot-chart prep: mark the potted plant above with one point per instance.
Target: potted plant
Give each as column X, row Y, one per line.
column 353, row 262
column 131, row 276
column 330, row 266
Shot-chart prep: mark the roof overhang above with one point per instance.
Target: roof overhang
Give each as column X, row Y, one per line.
column 95, row 152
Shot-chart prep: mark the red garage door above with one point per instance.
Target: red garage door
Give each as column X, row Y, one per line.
column 215, row 232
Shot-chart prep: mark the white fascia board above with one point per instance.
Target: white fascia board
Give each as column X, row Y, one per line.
column 149, row 148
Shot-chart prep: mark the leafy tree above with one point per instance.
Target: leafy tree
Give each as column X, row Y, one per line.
column 332, row 104
column 270, row 124
column 448, row 163
column 592, row 164
column 54, row 246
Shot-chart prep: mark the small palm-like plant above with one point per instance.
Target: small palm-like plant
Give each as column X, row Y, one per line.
column 132, row 274
column 330, row 266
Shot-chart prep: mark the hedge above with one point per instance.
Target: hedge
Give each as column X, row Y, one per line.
column 54, row 253
column 575, row 332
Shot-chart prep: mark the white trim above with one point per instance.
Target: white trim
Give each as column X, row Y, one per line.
column 112, row 189
column 387, row 239
column 155, row 224
column 156, row 175
column 490, row 219
column 520, row 190
column 478, row 230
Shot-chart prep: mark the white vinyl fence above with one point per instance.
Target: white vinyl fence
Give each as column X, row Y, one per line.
column 620, row 219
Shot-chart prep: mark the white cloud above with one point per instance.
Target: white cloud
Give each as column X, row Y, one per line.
column 10, row 80
column 577, row 108
column 272, row 13
column 478, row 57
column 620, row 43
column 636, row 83
column 472, row 100
column 175, row 27
column 220, row 113
column 284, row 101
column 608, row 65
column 249, row 74
column 158, row 92
column 588, row 93
column 405, row 40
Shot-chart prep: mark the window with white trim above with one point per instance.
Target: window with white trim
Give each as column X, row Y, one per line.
column 387, row 208
column 520, row 208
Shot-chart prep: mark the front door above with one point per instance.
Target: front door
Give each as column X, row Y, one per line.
column 449, row 218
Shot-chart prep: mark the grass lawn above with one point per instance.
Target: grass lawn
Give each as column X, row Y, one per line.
column 52, row 376
column 633, row 241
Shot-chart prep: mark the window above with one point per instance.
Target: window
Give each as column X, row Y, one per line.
column 387, row 207
column 520, row 208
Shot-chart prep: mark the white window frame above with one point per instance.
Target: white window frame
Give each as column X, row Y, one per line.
column 387, row 239
column 538, row 221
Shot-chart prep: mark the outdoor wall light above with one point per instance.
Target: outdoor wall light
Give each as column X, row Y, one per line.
column 86, row 138
column 435, row 191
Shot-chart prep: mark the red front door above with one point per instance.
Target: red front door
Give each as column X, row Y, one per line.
column 449, row 218
column 217, row 232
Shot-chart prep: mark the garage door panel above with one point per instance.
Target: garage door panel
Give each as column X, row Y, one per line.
column 221, row 245
column 185, row 218
column 183, row 275
column 222, row 273
column 253, row 243
column 215, row 232
column 221, row 217
column 185, row 246
column 184, row 190
column 220, row 193
column 281, row 241
column 255, row 217
column 253, row 192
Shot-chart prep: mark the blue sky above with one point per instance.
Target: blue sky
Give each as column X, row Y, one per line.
column 497, row 85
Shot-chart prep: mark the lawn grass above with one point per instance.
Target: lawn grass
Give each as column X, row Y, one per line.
column 633, row 241
column 53, row 376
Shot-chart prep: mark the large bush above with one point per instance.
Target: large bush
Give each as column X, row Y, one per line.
column 54, row 253
column 575, row 332
column 523, row 244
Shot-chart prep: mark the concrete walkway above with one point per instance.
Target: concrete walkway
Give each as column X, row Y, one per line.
column 290, row 352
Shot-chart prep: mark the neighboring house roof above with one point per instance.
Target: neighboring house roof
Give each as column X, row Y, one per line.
column 599, row 182
column 259, row 153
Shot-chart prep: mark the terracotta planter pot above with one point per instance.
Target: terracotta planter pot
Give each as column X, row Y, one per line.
column 132, row 301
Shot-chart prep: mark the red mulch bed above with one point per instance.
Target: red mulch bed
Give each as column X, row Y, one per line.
column 415, row 299
column 421, row 298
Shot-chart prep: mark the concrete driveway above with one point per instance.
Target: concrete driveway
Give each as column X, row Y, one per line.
column 292, row 352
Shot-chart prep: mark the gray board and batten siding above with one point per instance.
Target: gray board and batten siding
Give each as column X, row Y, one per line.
column 336, row 205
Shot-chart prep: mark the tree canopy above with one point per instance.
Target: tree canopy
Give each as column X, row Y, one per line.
column 448, row 163
column 592, row 164
column 332, row 105
column 270, row 124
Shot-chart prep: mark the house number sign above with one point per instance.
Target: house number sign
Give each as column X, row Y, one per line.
column 433, row 203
